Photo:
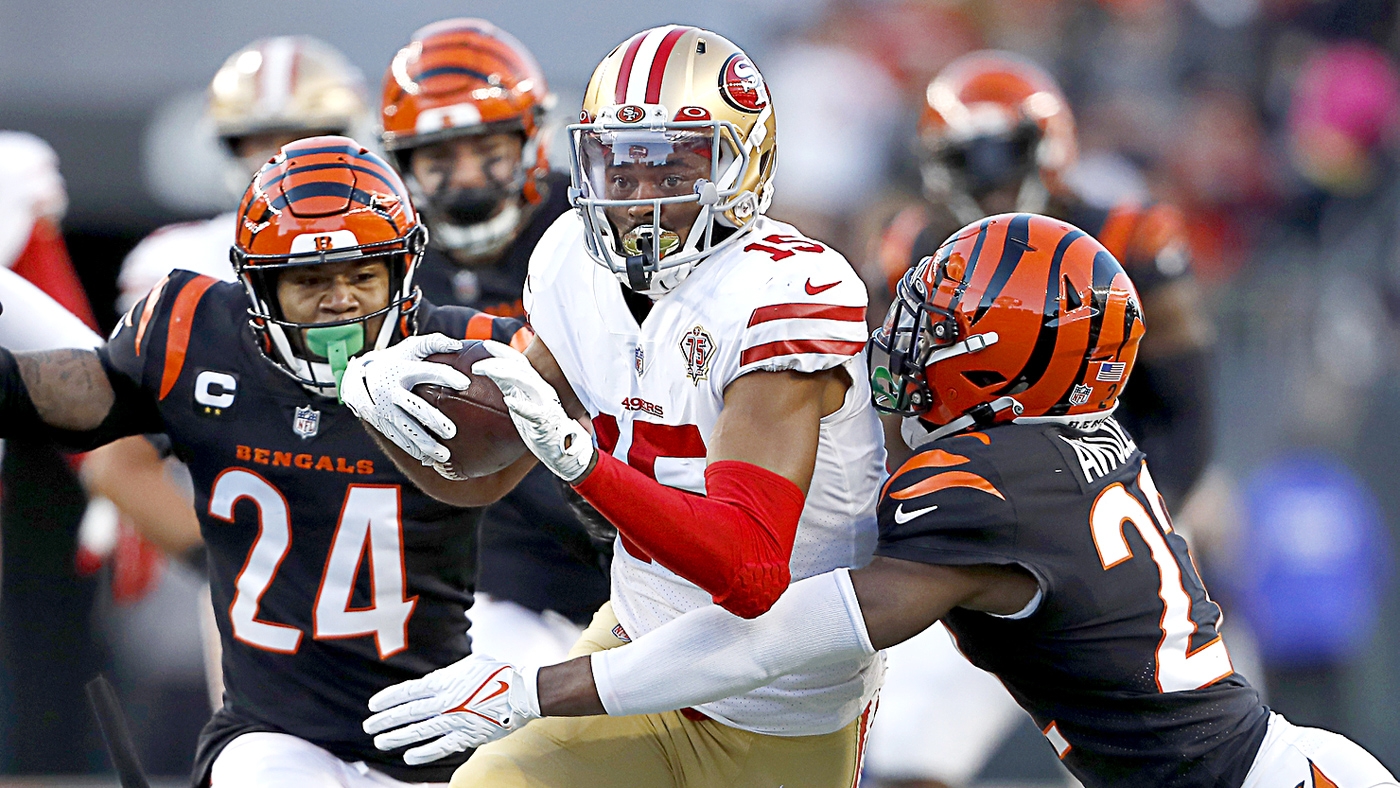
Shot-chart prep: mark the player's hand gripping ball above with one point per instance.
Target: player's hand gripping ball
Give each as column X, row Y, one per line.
column 464, row 705
column 416, row 403
column 486, row 439
column 561, row 443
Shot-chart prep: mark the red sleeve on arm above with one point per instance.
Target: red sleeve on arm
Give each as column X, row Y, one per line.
column 45, row 263
column 735, row 542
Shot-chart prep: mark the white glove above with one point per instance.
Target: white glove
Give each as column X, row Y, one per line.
column 466, row 704
column 377, row 387
column 559, row 442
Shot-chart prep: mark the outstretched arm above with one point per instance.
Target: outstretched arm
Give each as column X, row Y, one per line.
column 71, row 397
column 703, row 656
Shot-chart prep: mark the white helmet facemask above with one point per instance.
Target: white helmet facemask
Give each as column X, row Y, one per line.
column 620, row 166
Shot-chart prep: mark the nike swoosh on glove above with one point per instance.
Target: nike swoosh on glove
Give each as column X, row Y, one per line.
column 465, row 705
column 561, row 443
column 378, row 388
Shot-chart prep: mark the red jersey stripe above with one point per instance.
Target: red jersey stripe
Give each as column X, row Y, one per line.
column 625, row 74
column 792, row 347
column 177, row 339
column 764, row 314
column 658, row 64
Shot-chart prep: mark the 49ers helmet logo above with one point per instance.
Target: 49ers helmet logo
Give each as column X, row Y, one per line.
column 630, row 113
column 741, row 85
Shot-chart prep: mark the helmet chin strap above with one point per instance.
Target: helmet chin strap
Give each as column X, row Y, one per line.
column 916, row 433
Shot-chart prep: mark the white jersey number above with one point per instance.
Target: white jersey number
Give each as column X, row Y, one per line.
column 1178, row 667
column 369, row 523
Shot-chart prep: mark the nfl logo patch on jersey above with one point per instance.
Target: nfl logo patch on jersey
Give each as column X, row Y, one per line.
column 638, row 359
column 698, row 347
column 1080, row 394
column 307, row 422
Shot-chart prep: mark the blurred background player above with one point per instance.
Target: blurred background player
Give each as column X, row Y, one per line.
column 464, row 109
column 268, row 93
column 996, row 134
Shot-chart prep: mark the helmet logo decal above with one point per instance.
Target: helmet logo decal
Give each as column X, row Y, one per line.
column 698, row 348
column 630, row 113
column 323, row 242
column 1080, row 394
column 693, row 113
column 741, row 85
column 1111, row 371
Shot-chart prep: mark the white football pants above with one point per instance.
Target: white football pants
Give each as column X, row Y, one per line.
column 1292, row 755
column 277, row 760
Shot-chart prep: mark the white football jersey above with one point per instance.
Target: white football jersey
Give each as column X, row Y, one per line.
column 774, row 300
column 201, row 247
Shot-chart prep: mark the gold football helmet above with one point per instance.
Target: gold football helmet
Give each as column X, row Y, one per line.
column 287, row 83
column 672, row 158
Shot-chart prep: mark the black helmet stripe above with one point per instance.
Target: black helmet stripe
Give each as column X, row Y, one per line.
column 1105, row 269
column 1044, row 349
column 1017, row 244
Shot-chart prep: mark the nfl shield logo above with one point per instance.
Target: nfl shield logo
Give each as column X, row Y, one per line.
column 307, row 422
column 698, row 347
column 1080, row 394
column 638, row 359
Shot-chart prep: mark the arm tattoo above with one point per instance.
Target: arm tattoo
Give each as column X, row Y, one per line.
column 69, row 388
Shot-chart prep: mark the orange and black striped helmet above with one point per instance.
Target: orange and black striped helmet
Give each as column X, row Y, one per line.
column 326, row 200
column 989, row 120
column 1016, row 316
column 462, row 77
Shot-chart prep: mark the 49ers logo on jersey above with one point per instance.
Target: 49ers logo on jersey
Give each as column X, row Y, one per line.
column 698, row 347
column 741, row 85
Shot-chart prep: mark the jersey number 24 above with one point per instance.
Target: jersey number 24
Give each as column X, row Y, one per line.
column 369, row 520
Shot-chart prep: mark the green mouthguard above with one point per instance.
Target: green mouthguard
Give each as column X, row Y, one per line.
column 337, row 344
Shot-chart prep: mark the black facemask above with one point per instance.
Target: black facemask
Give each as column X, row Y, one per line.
column 470, row 206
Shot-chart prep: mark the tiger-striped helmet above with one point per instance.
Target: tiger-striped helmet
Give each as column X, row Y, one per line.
column 462, row 77
column 686, row 109
column 990, row 120
column 325, row 200
column 1017, row 316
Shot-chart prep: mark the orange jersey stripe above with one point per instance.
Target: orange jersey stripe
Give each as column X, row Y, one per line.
column 936, row 458
column 521, row 339
column 151, row 300
column 177, row 340
column 947, row 480
column 1320, row 780
column 479, row 327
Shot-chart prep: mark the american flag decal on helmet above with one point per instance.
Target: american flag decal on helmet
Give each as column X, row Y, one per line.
column 1111, row 371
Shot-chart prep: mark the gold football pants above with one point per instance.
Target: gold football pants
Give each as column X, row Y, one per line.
column 669, row 750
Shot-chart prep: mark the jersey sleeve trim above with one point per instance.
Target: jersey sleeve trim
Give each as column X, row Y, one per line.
column 799, row 347
column 152, row 299
column 177, row 340
column 479, row 326
column 765, row 314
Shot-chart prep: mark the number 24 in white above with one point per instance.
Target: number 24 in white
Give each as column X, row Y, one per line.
column 370, row 514
column 1178, row 667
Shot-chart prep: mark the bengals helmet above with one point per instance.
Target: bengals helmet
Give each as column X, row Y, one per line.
column 991, row 120
column 325, row 200
column 1017, row 316
column 461, row 77
column 287, row 84
column 664, row 97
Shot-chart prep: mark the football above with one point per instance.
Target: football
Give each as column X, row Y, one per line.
column 486, row 439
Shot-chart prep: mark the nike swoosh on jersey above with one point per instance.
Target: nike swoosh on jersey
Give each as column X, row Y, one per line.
column 820, row 288
column 902, row 517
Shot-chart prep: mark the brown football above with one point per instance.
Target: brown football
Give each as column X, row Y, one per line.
column 486, row 439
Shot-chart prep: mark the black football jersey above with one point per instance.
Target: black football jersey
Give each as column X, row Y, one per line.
column 332, row 576
column 1119, row 662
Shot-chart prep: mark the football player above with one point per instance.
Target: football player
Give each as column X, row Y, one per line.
column 463, row 107
column 717, row 354
column 1027, row 521
column 268, row 93
column 996, row 134
column 332, row 577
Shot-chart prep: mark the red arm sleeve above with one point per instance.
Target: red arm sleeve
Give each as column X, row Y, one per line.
column 735, row 542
